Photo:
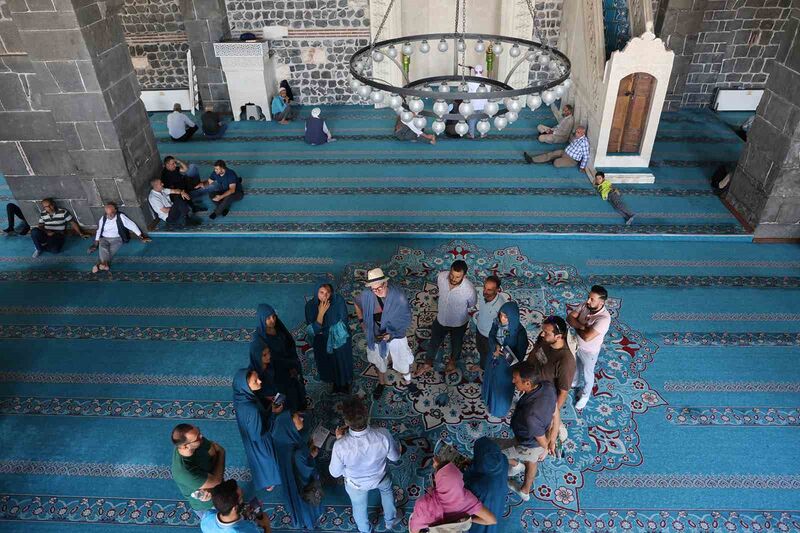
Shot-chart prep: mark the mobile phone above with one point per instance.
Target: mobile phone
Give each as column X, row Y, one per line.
column 279, row 399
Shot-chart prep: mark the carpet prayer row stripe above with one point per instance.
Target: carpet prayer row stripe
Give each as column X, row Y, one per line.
column 705, row 263
column 129, row 311
column 116, row 379
column 317, row 161
column 147, row 276
column 697, row 481
column 733, row 416
column 315, row 213
column 118, row 470
column 298, row 135
column 727, row 317
column 731, row 386
column 494, row 191
column 659, row 281
column 181, row 260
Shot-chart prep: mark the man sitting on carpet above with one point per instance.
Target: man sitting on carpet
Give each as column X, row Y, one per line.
column 282, row 109
column 224, row 187
column 113, row 230
column 316, row 130
column 178, row 175
column 228, row 501
column 213, row 127
column 52, row 230
column 197, row 466
column 559, row 134
column 407, row 131
column 174, row 212
column 530, row 421
column 577, row 153
column 612, row 195
column 180, row 127
column 385, row 317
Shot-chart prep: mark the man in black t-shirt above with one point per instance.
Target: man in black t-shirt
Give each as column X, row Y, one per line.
column 178, row 175
column 213, row 127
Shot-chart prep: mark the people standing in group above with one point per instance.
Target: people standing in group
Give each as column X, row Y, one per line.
column 530, row 422
column 13, row 210
column 554, row 361
column 360, row 454
column 298, row 470
column 487, row 478
column 478, row 104
column 507, row 333
column 113, row 230
column 227, row 516
column 316, row 130
column 51, row 233
column 175, row 213
column 575, row 154
column 448, row 501
column 563, row 130
column 198, row 465
column 213, row 126
column 282, row 109
column 255, row 423
column 179, row 126
column 283, row 365
column 612, row 195
column 456, row 298
column 489, row 303
column 327, row 322
column 590, row 321
column 224, row 187
column 408, row 131
column 385, row 316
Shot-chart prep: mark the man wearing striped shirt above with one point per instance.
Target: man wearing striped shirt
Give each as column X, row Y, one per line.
column 51, row 232
column 577, row 153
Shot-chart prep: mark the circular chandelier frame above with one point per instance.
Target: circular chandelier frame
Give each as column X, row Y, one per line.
column 364, row 55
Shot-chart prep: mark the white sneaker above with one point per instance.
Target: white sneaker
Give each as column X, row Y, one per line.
column 516, row 489
column 582, row 401
column 36, row 253
column 516, row 470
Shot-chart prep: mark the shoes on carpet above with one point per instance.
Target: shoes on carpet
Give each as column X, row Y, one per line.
column 193, row 221
column 517, row 469
column 516, row 488
column 582, row 401
column 396, row 522
column 25, row 230
column 225, row 212
column 528, row 158
column 95, row 269
column 9, row 231
column 630, row 220
column 212, row 216
column 36, row 253
column 378, row 392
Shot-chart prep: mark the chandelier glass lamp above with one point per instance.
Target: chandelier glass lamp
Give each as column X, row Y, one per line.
column 449, row 94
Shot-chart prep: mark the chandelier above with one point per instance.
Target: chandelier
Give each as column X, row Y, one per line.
column 435, row 97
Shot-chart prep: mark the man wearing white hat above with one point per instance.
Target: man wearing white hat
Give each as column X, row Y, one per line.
column 477, row 105
column 385, row 317
column 317, row 129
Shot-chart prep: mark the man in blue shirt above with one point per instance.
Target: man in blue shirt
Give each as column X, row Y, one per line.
column 224, row 187
column 227, row 498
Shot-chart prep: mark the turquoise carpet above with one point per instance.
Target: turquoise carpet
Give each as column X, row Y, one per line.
column 370, row 182
column 693, row 426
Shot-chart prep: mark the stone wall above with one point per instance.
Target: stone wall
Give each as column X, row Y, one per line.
column 156, row 36
column 719, row 44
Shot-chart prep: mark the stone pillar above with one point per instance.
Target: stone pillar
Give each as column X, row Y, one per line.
column 765, row 188
column 74, row 127
column 679, row 23
column 206, row 23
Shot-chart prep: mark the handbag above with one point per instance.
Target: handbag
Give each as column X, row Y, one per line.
column 312, row 493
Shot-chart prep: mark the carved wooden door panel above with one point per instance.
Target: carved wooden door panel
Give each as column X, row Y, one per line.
column 630, row 113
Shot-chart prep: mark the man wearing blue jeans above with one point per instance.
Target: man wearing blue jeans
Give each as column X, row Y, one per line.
column 360, row 454
column 178, row 175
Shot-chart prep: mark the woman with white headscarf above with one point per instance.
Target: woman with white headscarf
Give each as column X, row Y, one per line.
column 316, row 129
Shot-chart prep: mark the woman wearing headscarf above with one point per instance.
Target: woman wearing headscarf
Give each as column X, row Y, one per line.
column 317, row 129
column 326, row 316
column 282, row 109
column 255, row 423
column 506, row 332
column 487, row 478
column 447, row 501
column 285, row 85
column 298, row 468
column 287, row 373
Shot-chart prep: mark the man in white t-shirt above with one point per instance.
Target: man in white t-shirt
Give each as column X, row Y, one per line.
column 591, row 321
column 175, row 212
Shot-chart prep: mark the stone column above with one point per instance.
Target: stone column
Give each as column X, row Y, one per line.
column 765, row 188
column 679, row 23
column 206, row 22
column 74, row 127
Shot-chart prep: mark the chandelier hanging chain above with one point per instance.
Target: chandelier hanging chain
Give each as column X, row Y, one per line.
column 463, row 31
column 535, row 30
column 381, row 25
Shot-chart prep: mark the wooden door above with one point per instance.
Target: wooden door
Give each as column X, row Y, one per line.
column 630, row 113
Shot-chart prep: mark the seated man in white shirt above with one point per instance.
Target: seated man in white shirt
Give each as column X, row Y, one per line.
column 407, row 131
column 113, row 230
column 179, row 126
column 175, row 212
column 360, row 454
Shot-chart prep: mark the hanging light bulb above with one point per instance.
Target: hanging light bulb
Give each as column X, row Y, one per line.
column 395, row 101
column 483, row 126
column 463, row 87
column 359, row 66
column 514, row 105
column 500, row 122
column 444, row 88
column 416, row 105
column 491, row 108
column 408, row 49
column 511, row 116
column 567, row 83
column 398, row 110
column 531, row 55
column 514, row 51
column 534, row 101
column 482, row 88
column 442, row 46
column 355, row 84
column 377, row 97
column 438, row 126
column 480, row 46
column 462, row 128
column 391, row 51
column 461, row 45
column 364, row 91
column 440, row 108
column 377, row 56
column 544, row 59
column 497, row 48
column 424, row 47
column 548, row 97
column 559, row 90
column 420, row 122
column 406, row 116
column 466, row 108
